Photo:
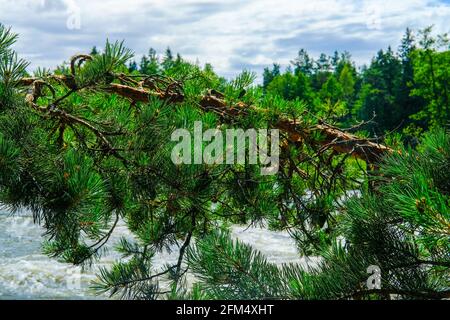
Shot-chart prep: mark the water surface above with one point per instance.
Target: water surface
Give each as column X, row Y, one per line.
column 25, row 273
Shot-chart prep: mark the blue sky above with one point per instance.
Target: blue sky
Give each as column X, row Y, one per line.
column 229, row 34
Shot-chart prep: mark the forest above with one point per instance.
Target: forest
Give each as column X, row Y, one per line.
column 363, row 181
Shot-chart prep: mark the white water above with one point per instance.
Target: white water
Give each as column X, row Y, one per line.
column 25, row 273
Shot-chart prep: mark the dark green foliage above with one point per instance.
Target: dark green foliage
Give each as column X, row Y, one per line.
column 404, row 91
column 378, row 94
column 100, row 68
column 291, row 87
column 402, row 227
column 270, row 74
column 130, row 279
column 82, row 159
column 431, row 78
column 230, row 269
column 149, row 64
column 303, row 63
column 11, row 68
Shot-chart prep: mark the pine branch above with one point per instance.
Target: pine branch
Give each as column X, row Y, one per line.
column 334, row 138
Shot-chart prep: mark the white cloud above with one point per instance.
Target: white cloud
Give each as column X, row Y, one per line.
column 230, row 34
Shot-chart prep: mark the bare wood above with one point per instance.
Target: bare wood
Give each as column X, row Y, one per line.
column 333, row 137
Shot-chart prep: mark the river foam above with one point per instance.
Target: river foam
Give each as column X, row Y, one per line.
column 25, row 273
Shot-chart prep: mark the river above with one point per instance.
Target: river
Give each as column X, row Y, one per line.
column 25, row 273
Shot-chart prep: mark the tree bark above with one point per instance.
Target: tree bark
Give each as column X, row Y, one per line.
column 332, row 137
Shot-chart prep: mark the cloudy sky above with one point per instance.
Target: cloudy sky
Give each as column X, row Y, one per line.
column 232, row 35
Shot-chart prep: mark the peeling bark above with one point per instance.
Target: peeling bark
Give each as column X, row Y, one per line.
column 332, row 137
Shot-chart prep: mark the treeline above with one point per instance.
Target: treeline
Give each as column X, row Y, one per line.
column 406, row 90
